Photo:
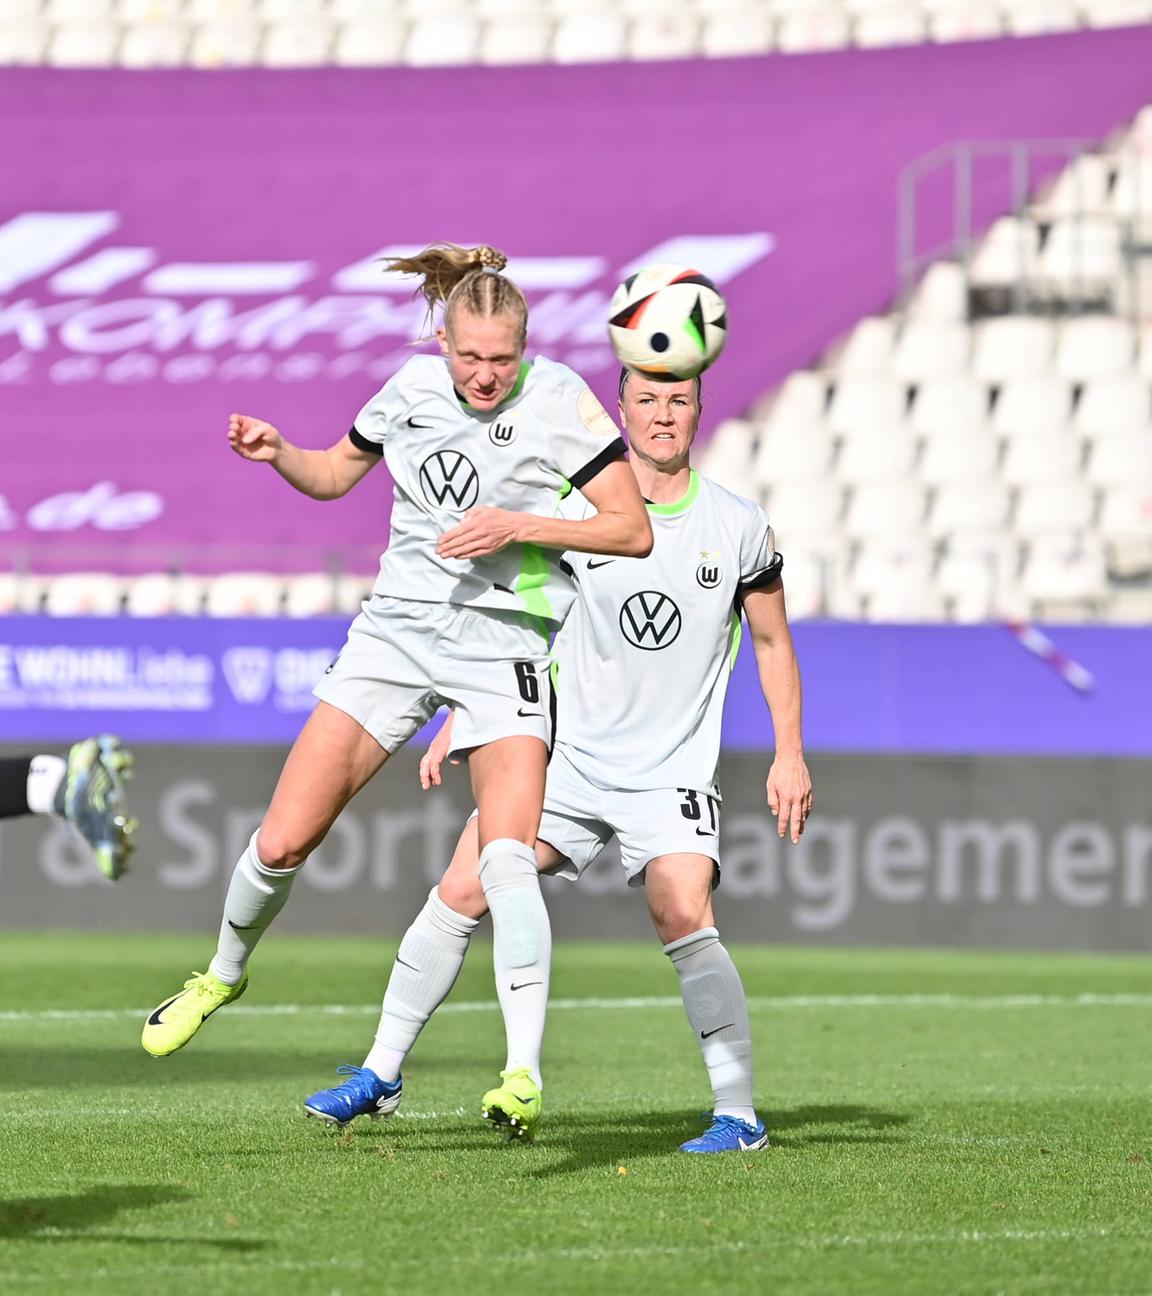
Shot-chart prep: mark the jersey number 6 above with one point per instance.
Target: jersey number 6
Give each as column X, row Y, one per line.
column 527, row 682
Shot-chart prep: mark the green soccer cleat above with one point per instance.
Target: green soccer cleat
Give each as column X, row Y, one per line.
column 91, row 798
column 514, row 1106
column 174, row 1023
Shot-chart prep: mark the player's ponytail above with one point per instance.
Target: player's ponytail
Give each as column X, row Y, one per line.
column 464, row 279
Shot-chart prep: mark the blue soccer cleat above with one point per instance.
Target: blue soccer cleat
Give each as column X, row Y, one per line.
column 362, row 1094
column 91, row 798
column 728, row 1134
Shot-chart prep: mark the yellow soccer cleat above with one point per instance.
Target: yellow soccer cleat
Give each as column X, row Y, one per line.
column 173, row 1024
column 514, row 1106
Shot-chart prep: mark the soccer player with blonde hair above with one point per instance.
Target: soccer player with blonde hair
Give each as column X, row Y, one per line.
column 481, row 444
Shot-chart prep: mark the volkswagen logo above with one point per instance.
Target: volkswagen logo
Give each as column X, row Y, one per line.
column 448, row 480
column 650, row 620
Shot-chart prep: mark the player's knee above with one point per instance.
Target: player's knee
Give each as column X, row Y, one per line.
column 463, row 893
column 277, row 850
column 678, row 916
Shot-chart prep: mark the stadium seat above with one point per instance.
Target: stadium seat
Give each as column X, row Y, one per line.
column 949, row 407
column 244, row 594
column 516, row 38
column 1080, row 260
column 154, row 44
column 1095, row 346
column 885, row 510
column 374, row 11
column 23, row 42
column 799, row 401
column 220, row 11
column 663, row 36
column 298, row 43
column 21, row 592
column 791, row 457
column 84, row 44
column 979, row 20
column 969, row 582
column 879, row 566
column 1058, row 509
column 1118, row 404
column 727, row 457
column 508, row 8
column 1144, row 353
column 966, row 511
column 1118, row 458
column 1039, row 17
column 310, row 594
column 876, row 455
column 1065, row 582
column 292, row 10
column 1037, row 404
column 1128, row 606
column 807, row 517
column 82, row 11
column 369, row 43
column 1117, row 13
column 942, row 294
column 84, row 594
column 442, row 40
column 1041, row 456
column 19, row 11
column 1011, row 347
column 895, row 24
column 867, row 350
column 823, row 28
column 1007, row 254
column 1126, row 524
column 1080, row 189
column 589, row 38
column 1132, row 193
column 859, row 404
column 970, row 457
column 150, row 11
column 931, row 349
column 234, row 44
column 165, row 594
column 909, row 603
column 353, row 590
column 736, row 32
column 804, row 581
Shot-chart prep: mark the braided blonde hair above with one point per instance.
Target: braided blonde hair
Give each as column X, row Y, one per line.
column 464, row 279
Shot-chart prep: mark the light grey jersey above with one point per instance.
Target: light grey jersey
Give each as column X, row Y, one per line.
column 446, row 458
column 643, row 661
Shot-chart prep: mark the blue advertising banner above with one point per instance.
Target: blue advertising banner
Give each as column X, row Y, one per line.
column 950, row 690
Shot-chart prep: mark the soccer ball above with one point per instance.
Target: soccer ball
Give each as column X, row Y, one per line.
column 667, row 322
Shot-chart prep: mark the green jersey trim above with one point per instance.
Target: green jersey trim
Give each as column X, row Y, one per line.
column 525, row 370
column 735, row 636
column 532, row 581
column 665, row 510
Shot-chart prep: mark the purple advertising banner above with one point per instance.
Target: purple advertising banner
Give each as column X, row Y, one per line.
column 178, row 245
column 899, row 689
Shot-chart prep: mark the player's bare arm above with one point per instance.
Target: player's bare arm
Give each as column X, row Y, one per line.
column 620, row 525
column 789, row 784
column 320, row 474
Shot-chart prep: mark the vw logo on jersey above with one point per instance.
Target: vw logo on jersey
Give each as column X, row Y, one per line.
column 650, row 620
column 448, row 480
column 502, row 434
column 709, row 575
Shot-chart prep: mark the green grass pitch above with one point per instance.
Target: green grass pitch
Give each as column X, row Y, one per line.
column 941, row 1123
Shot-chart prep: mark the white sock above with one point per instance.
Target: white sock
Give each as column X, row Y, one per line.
column 427, row 964
column 255, row 896
column 45, row 775
column 521, row 947
column 718, row 1012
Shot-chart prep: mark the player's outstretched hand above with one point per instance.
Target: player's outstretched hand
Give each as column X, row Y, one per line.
column 435, row 756
column 790, row 795
column 483, row 531
column 253, row 439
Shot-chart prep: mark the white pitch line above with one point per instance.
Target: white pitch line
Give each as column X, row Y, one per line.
column 763, row 1003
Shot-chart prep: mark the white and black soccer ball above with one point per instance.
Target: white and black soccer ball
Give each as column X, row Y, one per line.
column 668, row 322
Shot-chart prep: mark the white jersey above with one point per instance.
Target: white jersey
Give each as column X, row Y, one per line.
column 643, row 661
column 446, row 457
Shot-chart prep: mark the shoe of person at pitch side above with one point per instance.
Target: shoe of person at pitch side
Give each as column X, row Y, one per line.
column 91, row 798
column 362, row 1094
column 728, row 1134
column 170, row 1026
column 514, row 1106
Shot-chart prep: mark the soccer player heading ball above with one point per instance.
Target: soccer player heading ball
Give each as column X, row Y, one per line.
column 480, row 445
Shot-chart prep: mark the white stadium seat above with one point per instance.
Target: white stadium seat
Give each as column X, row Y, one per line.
column 895, row 24
column 663, row 36
column 1095, row 346
column 885, row 510
column 910, row 603
column 352, row 591
column 941, row 295
column 880, row 566
column 876, row 455
column 824, row 28
column 239, row 594
column 1081, row 258
column 84, row 44
column 1053, row 508
column 298, row 43
column 374, row 11
column 969, row 511
column 165, row 594
column 969, row 582
column 1067, row 581
column 443, row 40
column 1118, row 458
column 1126, row 524
column 1081, row 188
column 1128, row 606
column 979, row 20
column 931, row 349
column 1012, row 347
column 862, row 403
column 150, row 11
column 83, row 11
column 23, row 42
column 21, row 592
column 292, row 10
column 589, row 38
column 84, row 594
column 970, row 457
column 1039, row 17
column 949, row 407
column 516, row 38
column 19, row 11
column 375, row 42
column 1026, row 405
column 233, row 44
column 220, row 11
column 1117, row 13
column 1118, row 404
column 1144, row 352
column 310, row 594
column 867, row 350
column 792, row 457
column 737, row 32
column 1007, row 254
column 799, row 401
column 807, row 516
column 154, row 44
column 804, row 581
column 1041, row 457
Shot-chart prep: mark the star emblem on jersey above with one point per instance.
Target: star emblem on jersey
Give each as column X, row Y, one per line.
column 449, row 480
column 650, row 620
column 708, row 574
column 501, row 434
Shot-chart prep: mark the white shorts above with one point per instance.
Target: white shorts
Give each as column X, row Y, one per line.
column 580, row 819
column 403, row 660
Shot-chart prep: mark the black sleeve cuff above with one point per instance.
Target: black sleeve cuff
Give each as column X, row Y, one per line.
column 765, row 576
column 362, row 443
column 610, row 453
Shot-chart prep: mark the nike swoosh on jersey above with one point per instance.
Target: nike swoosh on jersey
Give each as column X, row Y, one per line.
column 705, row 832
column 521, row 712
column 603, row 563
column 706, row 1034
column 413, row 424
